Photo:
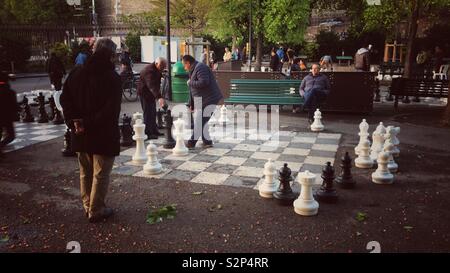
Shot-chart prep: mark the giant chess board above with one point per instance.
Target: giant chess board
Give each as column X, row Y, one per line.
column 238, row 159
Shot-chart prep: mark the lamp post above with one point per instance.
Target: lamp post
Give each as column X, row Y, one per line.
column 169, row 67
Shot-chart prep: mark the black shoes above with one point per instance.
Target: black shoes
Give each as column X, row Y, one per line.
column 190, row 145
column 107, row 212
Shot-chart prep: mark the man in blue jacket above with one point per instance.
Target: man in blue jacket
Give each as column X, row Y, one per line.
column 202, row 85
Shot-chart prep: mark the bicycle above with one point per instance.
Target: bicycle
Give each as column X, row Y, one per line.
column 129, row 86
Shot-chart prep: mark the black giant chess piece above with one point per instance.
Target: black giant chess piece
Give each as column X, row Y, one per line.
column 67, row 151
column 58, row 117
column 159, row 119
column 345, row 179
column 377, row 97
column 43, row 117
column 26, row 113
column 126, row 131
column 285, row 196
column 51, row 103
column 169, row 143
column 416, row 99
column 327, row 193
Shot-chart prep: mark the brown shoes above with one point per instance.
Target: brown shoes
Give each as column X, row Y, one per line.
column 106, row 213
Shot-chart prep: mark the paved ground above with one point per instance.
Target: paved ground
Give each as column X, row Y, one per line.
column 41, row 210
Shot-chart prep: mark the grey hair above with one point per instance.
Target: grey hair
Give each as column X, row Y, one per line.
column 160, row 60
column 105, row 44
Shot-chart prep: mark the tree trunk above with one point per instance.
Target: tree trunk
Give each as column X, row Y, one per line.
column 233, row 43
column 192, row 47
column 259, row 53
column 412, row 31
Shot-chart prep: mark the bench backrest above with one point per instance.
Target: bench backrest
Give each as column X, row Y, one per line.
column 419, row 87
column 264, row 88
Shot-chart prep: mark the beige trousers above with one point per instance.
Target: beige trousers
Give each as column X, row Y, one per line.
column 94, row 181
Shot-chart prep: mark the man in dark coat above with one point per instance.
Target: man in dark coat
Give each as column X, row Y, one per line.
column 8, row 111
column 149, row 91
column 91, row 101
column 202, row 85
column 56, row 71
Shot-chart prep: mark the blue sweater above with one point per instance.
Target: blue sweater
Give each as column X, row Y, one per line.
column 203, row 84
column 320, row 81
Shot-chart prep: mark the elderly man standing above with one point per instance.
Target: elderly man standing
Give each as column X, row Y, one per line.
column 91, row 101
column 315, row 88
column 202, row 85
column 149, row 90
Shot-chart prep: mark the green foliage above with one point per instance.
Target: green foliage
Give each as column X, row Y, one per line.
column 158, row 215
column 147, row 23
column 228, row 18
column 63, row 52
column 311, row 50
column 133, row 42
column 327, row 43
column 285, row 21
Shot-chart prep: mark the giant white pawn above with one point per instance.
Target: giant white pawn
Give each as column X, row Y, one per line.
column 270, row 185
column 317, row 125
column 305, row 204
column 363, row 135
column 223, row 115
column 180, row 148
column 153, row 166
column 137, row 116
column 139, row 136
column 382, row 174
column 213, row 119
column 378, row 142
column 363, row 160
column 389, row 148
column 395, row 141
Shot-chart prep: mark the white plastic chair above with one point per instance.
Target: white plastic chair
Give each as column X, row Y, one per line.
column 442, row 74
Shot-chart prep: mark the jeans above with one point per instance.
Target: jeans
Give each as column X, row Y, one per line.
column 94, row 181
column 9, row 134
column 206, row 138
column 313, row 98
column 149, row 107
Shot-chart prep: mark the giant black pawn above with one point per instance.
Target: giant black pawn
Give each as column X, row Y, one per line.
column 169, row 143
column 26, row 111
column 327, row 193
column 377, row 97
column 126, row 131
column 159, row 119
column 345, row 179
column 284, row 195
column 58, row 117
column 52, row 105
column 43, row 117
column 68, row 151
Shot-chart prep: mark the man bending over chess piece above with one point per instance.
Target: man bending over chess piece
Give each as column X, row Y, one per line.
column 202, row 84
column 315, row 88
column 8, row 111
column 91, row 102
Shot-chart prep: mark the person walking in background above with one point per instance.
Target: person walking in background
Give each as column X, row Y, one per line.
column 83, row 54
column 274, row 61
column 290, row 54
column 228, row 55
column 149, row 91
column 236, row 54
column 315, row 88
column 8, row 110
column 202, row 84
column 281, row 56
column 56, row 71
column 91, row 101
column 362, row 59
column 326, row 63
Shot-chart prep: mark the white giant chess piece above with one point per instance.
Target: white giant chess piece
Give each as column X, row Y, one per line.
column 213, row 119
column 139, row 136
column 180, row 148
column 137, row 116
column 223, row 115
column 57, row 96
column 363, row 135
column 395, row 141
column 305, row 204
column 378, row 142
column 153, row 166
column 269, row 186
column 382, row 174
column 363, row 160
column 389, row 148
column 317, row 125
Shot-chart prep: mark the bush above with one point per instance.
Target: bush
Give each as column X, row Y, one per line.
column 311, row 50
column 133, row 42
column 63, row 52
column 327, row 44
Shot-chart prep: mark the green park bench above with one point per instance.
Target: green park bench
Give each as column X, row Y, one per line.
column 347, row 59
column 418, row 88
column 266, row 92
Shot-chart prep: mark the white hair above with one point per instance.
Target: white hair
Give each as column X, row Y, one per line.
column 160, row 60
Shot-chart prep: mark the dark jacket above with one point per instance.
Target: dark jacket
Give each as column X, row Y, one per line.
column 274, row 62
column 150, row 82
column 55, row 68
column 8, row 104
column 362, row 60
column 320, row 81
column 203, row 84
column 93, row 93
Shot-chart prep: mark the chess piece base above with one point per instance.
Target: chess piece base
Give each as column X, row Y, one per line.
column 150, row 170
column 382, row 178
column 267, row 191
column 306, row 207
column 326, row 196
column 393, row 167
column 317, row 128
column 345, row 183
column 285, row 199
column 364, row 164
column 139, row 160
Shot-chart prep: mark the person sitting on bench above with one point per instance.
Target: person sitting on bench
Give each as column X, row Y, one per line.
column 315, row 88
